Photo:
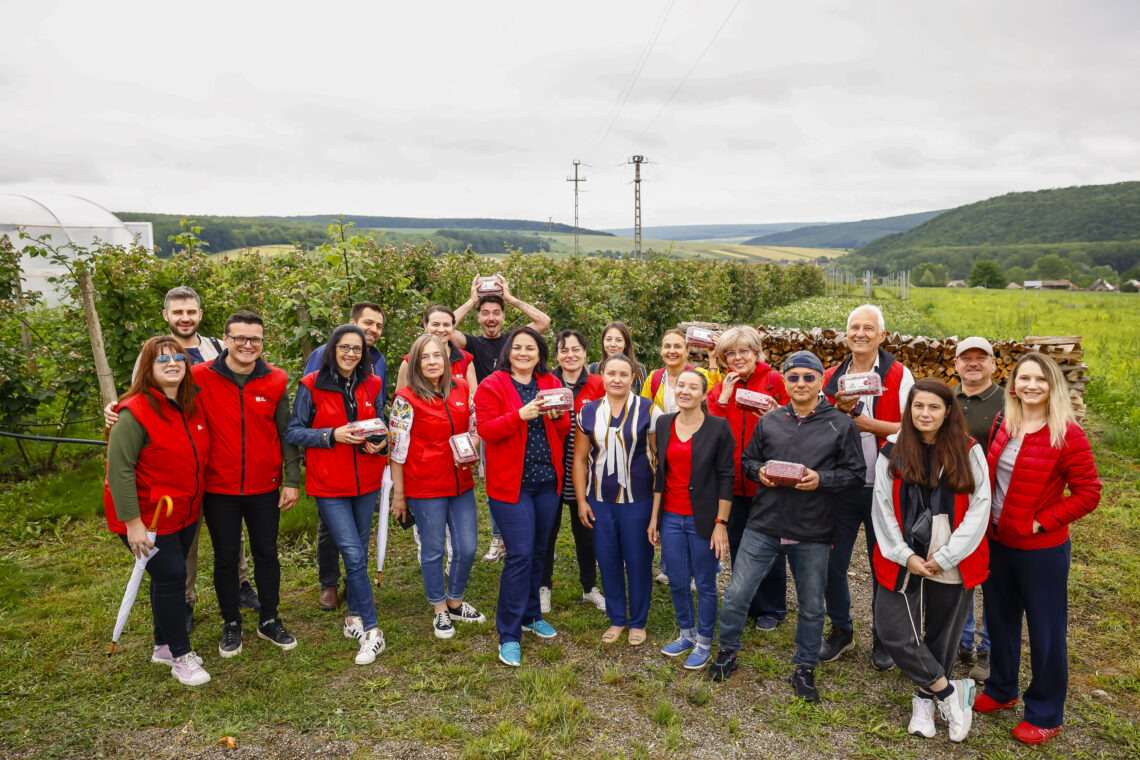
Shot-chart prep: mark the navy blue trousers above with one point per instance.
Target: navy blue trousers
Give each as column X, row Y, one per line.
column 526, row 526
column 1034, row 582
column 621, row 541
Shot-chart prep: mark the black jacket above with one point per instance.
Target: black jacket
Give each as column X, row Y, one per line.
column 712, row 470
column 826, row 441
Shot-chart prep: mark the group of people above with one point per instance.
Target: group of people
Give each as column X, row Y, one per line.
column 956, row 488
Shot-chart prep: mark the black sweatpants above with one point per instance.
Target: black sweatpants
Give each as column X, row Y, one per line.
column 583, row 548
column 167, row 571
column 920, row 627
column 224, row 514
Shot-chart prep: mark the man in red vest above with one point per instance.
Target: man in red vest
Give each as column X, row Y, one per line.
column 876, row 417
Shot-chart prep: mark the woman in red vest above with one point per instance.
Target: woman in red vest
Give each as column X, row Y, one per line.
column 930, row 507
column 427, row 413
column 1037, row 451
column 159, row 448
column 440, row 320
column 343, row 470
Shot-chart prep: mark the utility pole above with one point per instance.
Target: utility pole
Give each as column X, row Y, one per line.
column 576, row 180
column 637, row 161
column 549, row 225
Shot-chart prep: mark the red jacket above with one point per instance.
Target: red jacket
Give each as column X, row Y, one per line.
column 763, row 379
column 890, row 371
column 497, row 405
column 429, row 466
column 343, row 470
column 245, row 455
column 974, row 568
column 173, row 463
column 1037, row 488
column 592, row 390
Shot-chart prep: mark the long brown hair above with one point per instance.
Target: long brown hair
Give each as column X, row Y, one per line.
column 144, row 384
column 420, row 385
column 951, row 444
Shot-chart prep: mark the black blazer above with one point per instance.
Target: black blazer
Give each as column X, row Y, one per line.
column 712, row 470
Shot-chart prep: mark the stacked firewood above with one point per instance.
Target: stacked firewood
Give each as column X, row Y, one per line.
column 925, row 357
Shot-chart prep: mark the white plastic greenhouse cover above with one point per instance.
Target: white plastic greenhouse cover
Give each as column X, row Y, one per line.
column 67, row 219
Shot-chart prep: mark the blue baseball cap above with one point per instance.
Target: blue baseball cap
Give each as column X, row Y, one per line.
column 805, row 360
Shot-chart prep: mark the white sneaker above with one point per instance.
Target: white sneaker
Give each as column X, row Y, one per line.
column 495, row 550
column 188, row 670
column 958, row 710
column 162, row 656
column 353, row 628
column 544, row 598
column 442, row 625
column 371, row 645
column 465, row 613
column 662, row 578
column 595, row 597
column 921, row 717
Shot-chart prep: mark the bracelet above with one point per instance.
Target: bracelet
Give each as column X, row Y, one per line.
column 722, row 522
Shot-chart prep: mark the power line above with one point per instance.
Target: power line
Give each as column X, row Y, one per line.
column 696, row 63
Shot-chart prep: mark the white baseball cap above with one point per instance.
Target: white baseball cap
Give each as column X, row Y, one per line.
column 975, row 342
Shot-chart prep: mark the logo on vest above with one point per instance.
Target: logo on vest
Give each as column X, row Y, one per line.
column 262, row 399
column 201, row 428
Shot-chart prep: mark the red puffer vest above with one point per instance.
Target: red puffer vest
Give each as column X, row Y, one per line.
column 1037, row 488
column 887, row 407
column 974, row 569
column 245, row 450
column 173, row 463
column 429, row 469
column 763, row 379
column 343, row 470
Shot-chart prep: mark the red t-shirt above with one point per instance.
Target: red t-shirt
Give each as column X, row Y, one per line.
column 678, row 469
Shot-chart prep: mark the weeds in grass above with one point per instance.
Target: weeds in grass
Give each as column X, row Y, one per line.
column 664, row 714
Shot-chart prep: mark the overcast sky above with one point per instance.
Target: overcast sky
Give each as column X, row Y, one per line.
column 812, row 111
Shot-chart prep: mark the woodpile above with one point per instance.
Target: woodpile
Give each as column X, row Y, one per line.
column 925, row 357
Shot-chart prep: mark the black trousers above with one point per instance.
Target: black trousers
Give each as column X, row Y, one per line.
column 583, row 548
column 771, row 596
column 328, row 558
column 852, row 509
column 224, row 515
column 167, row 571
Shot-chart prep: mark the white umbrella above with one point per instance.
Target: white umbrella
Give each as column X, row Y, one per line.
column 382, row 528
column 136, row 575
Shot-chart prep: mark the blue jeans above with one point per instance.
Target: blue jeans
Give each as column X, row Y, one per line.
column 621, row 541
column 350, row 522
column 689, row 555
column 757, row 553
column 852, row 509
column 526, row 526
column 968, row 631
column 433, row 517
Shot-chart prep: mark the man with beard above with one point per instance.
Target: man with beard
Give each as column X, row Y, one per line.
column 369, row 317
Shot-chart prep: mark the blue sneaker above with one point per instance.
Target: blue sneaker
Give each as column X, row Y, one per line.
column 698, row 658
column 677, row 647
column 510, row 654
column 541, row 628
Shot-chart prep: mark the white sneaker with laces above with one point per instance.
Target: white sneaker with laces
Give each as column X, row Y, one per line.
column 353, row 628
column 921, row 717
column 188, row 671
column 465, row 613
column 162, row 656
column 442, row 625
column 371, row 645
column 544, row 598
column 495, row 551
column 594, row 597
column 958, row 709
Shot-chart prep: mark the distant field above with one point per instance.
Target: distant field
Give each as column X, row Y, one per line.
column 562, row 244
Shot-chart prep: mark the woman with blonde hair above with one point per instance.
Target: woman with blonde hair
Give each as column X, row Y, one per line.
column 1037, row 452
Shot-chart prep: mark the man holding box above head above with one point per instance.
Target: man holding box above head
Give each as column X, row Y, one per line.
column 489, row 296
column 803, row 455
column 871, row 386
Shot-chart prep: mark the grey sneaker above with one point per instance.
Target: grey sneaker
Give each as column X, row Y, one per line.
column 981, row 670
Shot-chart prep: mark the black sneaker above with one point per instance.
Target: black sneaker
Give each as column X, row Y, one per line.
column 767, row 623
column 836, row 644
column 230, row 644
column 247, row 598
column 879, row 657
column 465, row 613
column 442, row 625
column 725, row 663
column 965, row 654
column 274, row 632
column 803, row 681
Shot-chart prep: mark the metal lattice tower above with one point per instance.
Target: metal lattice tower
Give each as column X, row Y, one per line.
column 637, row 161
column 575, row 179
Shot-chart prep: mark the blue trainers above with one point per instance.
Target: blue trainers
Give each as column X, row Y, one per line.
column 698, row 658
column 541, row 628
column 677, row 647
column 510, row 654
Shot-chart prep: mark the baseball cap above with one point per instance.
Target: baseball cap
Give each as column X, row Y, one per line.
column 975, row 342
column 804, row 359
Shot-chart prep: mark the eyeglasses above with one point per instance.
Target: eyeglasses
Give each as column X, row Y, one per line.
column 808, row 378
column 164, row 358
column 346, row 348
column 744, row 353
column 242, row 340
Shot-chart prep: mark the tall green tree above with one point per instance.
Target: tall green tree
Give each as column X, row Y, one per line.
column 987, row 274
column 1053, row 267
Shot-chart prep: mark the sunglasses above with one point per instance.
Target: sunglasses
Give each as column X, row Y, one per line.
column 164, row 358
column 808, row 378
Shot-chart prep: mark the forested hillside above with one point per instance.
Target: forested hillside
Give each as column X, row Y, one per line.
column 844, row 234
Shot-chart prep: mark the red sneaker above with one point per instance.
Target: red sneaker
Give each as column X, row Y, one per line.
column 985, row 704
column 1030, row 734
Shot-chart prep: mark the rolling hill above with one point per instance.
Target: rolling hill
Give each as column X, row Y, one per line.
column 844, row 234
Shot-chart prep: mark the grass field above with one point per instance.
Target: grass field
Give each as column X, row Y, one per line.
column 61, row 575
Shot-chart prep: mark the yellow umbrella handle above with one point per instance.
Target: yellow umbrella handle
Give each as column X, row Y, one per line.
column 165, row 499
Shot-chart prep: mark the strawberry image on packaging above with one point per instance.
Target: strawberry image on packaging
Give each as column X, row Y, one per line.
column 463, row 447
column 699, row 336
column 861, row 384
column 489, row 286
column 784, row 473
column 368, row 428
column 555, row 400
column 761, row 402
